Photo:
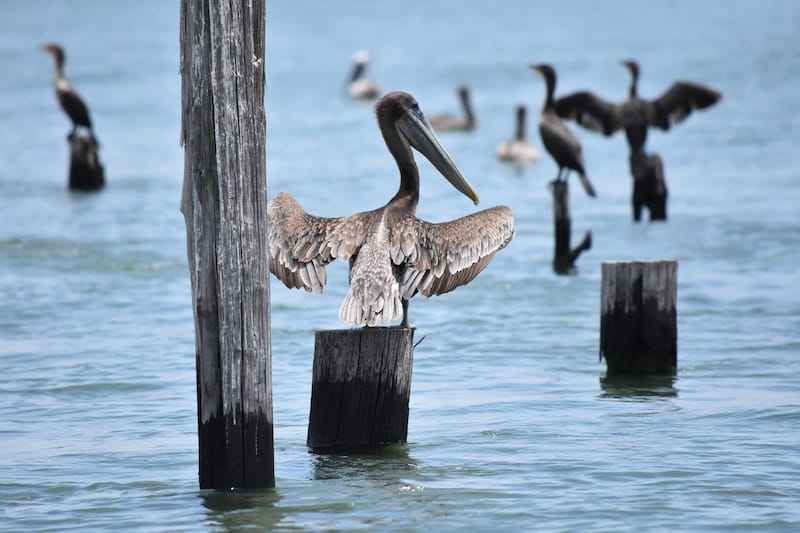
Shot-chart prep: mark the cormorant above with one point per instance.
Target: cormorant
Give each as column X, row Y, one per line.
column 636, row 114
column 559, row 140
column 70, row 101
column 393, row 255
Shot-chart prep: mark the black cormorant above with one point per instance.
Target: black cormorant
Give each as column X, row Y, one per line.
column 70, row 101
column 559, row 140
column 636, row 114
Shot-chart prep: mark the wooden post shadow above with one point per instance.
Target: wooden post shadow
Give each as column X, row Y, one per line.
column 638, row 323
column 565, row 257
column 361, row 387
column 649, row 186
column 85, row 170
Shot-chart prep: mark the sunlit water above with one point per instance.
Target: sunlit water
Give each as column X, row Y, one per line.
column 512, row 423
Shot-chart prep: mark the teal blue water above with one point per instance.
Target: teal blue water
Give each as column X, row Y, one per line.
column 512, row 424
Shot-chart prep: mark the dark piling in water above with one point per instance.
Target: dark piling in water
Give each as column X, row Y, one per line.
column 638, row 322
column 85, row 170
column 649, row 187
column 564, row 257
column 224, row 204
column 361, row 387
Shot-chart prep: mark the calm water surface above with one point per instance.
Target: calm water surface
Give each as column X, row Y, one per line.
column 513, row 425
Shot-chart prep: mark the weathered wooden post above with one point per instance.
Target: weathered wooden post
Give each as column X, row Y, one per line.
column 564, row 257
column 224, row 205
column 638, row 328
column 85, row 170
column 649, row 187
column 361, row 387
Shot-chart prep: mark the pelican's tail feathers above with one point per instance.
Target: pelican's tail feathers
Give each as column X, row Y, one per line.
column 359, row 311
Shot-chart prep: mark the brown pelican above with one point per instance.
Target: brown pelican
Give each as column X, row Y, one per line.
column 70, row 101
column 445, row 122
column 518, row 149
column 393, row 255
column 636, row 114
column 359, row 87
column 559, row 140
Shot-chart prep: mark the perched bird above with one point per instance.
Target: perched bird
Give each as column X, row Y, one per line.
column 446, row 122
column 358, row 86
column 518, row 150
column 636, row 114
column 558, row 140
column 393, row 255
column 70, row 101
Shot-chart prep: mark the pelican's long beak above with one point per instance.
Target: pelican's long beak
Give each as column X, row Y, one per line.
column 416, row 128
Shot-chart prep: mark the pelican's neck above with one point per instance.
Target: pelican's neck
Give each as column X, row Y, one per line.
column 465, row 103
column 358, row 70
column 520, row 123
column 408, row 193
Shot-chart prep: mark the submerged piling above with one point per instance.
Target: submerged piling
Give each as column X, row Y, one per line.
column 361, row 386
column 638, row 323
column 649, row 186
column 85, row 170
column 564, row 257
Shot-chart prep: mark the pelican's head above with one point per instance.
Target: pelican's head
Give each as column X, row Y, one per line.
column 401, row 111
column 362, row 57
column 56, row 51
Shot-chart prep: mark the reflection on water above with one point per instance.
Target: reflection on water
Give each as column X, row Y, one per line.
column 232, row 511
column 383, row 464
column 638, row 387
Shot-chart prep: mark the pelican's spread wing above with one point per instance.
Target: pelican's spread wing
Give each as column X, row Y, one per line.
column 300, row 244
column 590, row 111
column 440, row 257
column 679, row 101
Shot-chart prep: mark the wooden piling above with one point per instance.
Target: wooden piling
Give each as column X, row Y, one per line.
column 224, row 206
column 649, row 186
column 564, row 257
column 85, row 170
column 638, row 324
column 361, row 387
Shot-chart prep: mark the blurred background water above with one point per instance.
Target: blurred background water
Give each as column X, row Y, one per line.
column 512, row 423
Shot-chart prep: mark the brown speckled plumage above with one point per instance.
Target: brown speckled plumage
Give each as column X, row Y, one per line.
column 393, row 255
